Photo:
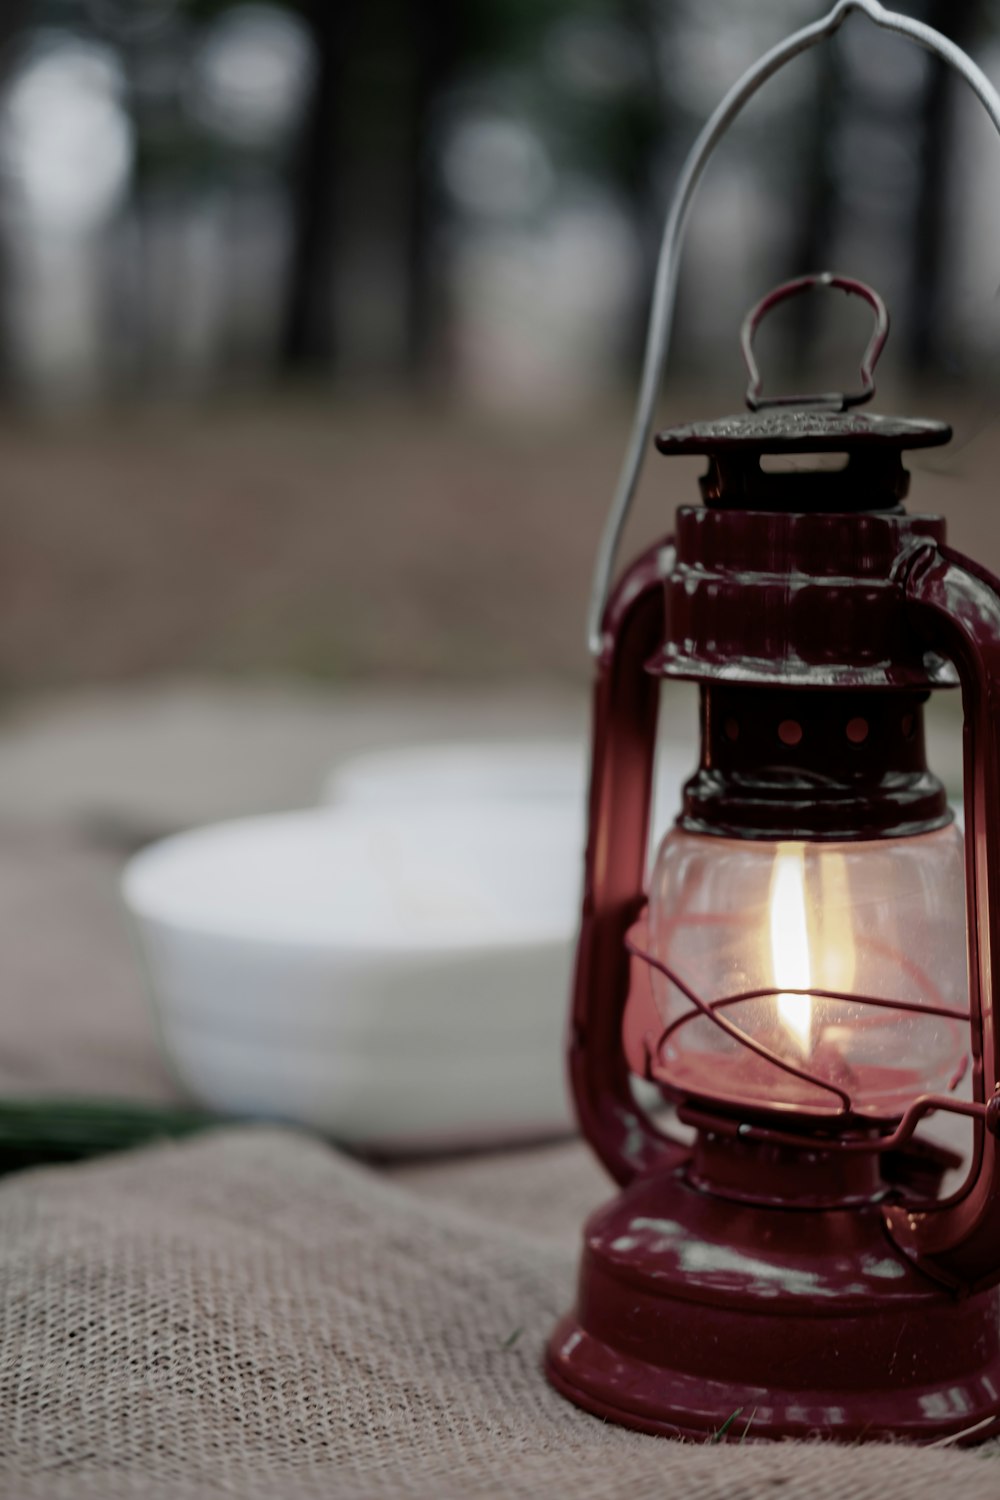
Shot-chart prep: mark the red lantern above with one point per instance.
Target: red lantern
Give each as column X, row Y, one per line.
column 809, row 970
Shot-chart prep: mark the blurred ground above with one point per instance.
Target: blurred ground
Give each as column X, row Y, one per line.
column 316, row 537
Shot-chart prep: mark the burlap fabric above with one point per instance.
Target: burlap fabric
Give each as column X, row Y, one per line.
column 251, row 1314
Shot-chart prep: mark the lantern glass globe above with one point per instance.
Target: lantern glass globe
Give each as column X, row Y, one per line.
column 813, row 935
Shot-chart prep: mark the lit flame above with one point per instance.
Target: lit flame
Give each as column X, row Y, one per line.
column 790, row 944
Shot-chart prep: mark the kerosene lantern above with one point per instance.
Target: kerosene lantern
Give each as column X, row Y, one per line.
column 808, row 971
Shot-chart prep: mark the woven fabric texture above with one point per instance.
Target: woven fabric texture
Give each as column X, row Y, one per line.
column 251, row 1314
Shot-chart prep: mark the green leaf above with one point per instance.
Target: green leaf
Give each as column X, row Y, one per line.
column 718, row 1436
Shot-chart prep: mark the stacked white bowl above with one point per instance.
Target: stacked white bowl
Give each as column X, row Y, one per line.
column 391, row 969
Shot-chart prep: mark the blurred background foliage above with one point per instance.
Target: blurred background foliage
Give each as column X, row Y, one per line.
column 319, row 320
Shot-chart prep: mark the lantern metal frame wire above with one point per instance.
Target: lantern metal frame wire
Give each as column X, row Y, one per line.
column 903, row 1123
column 711, row 1009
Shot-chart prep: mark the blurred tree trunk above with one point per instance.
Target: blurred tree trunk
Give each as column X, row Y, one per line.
column 959, row 20
column 437, row 39
column 308, row 337
column 653, row 121
column 361, row 285
column 14, row 16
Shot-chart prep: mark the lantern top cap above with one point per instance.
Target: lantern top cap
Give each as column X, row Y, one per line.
column 804, row 430
column 814, row 423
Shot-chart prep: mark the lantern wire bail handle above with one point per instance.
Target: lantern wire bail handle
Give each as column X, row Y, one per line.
column 838, row 400
column 668, row 262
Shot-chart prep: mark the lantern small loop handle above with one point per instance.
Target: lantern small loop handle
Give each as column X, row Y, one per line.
column 665, row 284
column 837, row 400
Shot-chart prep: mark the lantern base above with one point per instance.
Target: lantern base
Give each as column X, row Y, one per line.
column 808, row 1322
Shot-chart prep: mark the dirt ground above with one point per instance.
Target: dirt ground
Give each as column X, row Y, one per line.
column 306, row 534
